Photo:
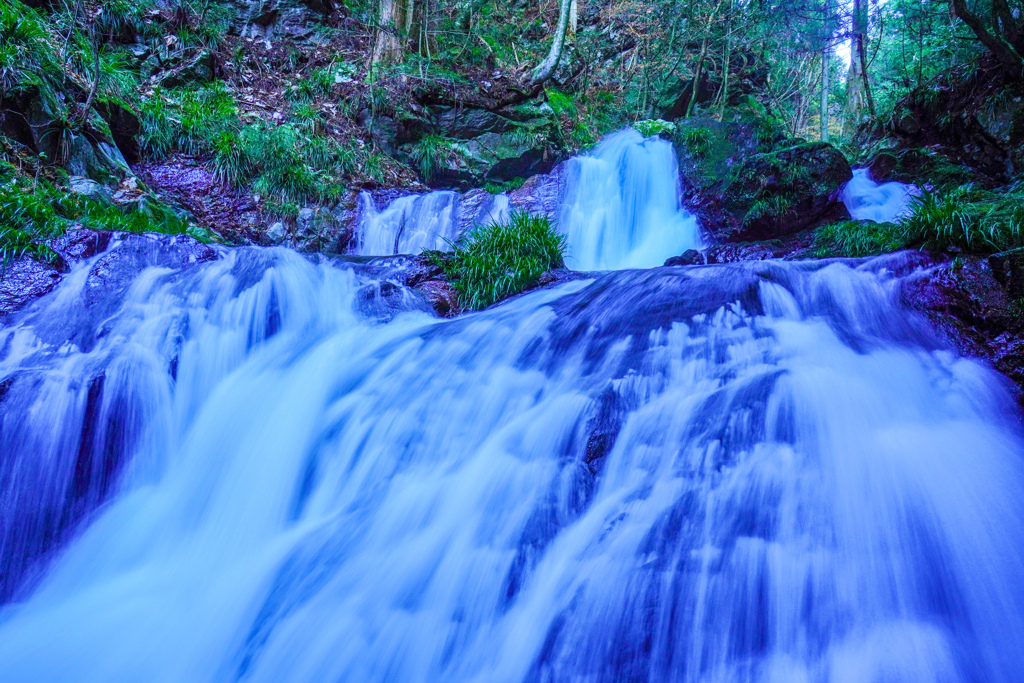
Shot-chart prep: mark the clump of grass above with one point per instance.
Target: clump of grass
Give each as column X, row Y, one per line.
column 858, row 238
column 499, row 260
column 432, row 151
column 507, row 186
column 964, row 219
column 28, row 51
column 652, row 127
column 289, row 163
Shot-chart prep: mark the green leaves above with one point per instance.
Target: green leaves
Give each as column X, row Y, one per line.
column 960, row 219
column 499, row 260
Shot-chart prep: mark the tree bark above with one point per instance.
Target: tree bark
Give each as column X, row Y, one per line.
column 1008, row 57
column 547, row 67
column 826, row 55
column 395, row 27
column 860, row 31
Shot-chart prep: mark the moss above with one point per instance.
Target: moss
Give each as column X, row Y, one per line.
column 499, row 260
column 653, row 127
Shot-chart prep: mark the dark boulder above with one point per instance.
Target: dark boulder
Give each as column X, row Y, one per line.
column 975, row 303
column 690, row 257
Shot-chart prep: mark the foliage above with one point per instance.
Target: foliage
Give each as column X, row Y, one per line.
column 35, row 211
column 507, row 186
column 430, row 152
column 651, row 127
column 499, row 260
column 858, row 238
column 697, row 140
column 964, row 219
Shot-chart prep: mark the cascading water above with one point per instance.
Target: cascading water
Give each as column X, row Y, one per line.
column 410, row 224
column 882, row 203
column 621, row 207
column 263, row 469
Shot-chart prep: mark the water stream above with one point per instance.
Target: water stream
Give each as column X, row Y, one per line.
column 262, row 468
column 868, row 200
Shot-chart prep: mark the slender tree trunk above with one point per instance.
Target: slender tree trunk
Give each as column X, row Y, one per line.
column 826, row 62
column 396, row 26
column 547, row 67
column 698, row 72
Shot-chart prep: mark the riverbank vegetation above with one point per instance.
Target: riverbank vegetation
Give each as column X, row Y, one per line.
column 289, row 104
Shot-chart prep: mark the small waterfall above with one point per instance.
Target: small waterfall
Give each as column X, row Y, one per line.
column 412, row 223
column 882, row 203
column 408, row 225
column 248, row 470
column 621, row 207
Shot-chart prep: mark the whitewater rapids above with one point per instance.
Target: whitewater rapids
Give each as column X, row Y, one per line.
column 266, row 469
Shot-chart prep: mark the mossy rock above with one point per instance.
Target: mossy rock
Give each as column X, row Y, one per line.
column 776, row 194
column 920, row 167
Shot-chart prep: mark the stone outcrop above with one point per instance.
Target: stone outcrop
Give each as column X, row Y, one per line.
column 744, row 184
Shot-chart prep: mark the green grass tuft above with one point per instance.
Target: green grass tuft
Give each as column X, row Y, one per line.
column 499, row 260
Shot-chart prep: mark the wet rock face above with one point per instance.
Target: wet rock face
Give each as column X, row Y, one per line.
column 319, row 230
column 781, row 193
column 121, row 257
column 976, row 302
column 23, row 281
column 417, row 274
column 184, row 182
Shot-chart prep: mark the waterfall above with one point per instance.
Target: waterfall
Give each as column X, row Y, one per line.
column 261, row 468
column 621, row 207
column 415, row 222
column 882, row 203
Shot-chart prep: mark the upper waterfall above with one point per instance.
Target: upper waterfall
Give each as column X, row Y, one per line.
column 879, row 202
column 621, row 207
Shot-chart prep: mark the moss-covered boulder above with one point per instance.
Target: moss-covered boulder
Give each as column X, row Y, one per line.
column 746, row 183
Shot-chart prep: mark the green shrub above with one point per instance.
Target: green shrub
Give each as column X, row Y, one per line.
column 507, row 186
column 496, row 261
column 432, row 151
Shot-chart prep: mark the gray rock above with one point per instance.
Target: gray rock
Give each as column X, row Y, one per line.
column 318, row 230
column 90, row 189
column 199, row 69
column 277, row 233
column 690, row 257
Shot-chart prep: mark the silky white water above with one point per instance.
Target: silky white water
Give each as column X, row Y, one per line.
column 879, row 202
column 266, row 469
column 621, row 206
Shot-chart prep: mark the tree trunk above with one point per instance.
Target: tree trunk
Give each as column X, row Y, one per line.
column 860, row 32
column 547, row 67
column 395, row 28
column 826, row 55
column 698, row 72
column 1009, row 58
